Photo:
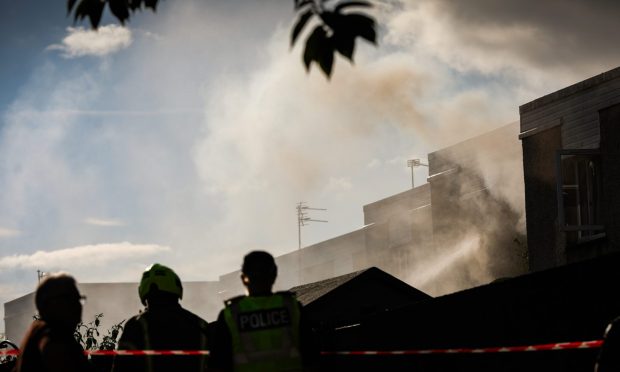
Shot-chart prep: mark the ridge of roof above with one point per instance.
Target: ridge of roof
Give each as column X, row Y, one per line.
column 310, row 292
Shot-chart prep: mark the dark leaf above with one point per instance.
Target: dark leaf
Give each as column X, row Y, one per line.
column 151, row 4
column 362, row 26
column 313, row 45
column 345, row 44
column 70, row 5
column 120, row 9
column 97, row 322
column 135, row 4
column 301, row 23
column 301, row 3
column 320, row 49
column 91, row 8
column 89, row 343
column 348, row 4
column 81, row 11
column 331, row 19
column 327, row 60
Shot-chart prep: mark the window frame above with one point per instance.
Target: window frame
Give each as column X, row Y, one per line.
column 559, row 190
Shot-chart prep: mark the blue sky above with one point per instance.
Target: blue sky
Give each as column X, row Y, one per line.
column 189, row 136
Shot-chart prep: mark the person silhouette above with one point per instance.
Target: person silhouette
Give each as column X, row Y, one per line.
column 163, row 325
column 49, row 344
column 263, row 330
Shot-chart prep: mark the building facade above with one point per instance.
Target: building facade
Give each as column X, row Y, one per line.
column 571, row 154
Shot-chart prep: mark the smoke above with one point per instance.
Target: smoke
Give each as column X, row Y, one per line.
column 276, row 137
column 204, row 137
column 540, row 46
column 428, row 277
column 477, row 221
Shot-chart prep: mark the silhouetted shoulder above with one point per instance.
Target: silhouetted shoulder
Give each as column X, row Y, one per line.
column 195, row 319
column 232, row 300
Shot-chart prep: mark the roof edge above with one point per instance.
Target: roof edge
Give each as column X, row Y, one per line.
column 570, row 90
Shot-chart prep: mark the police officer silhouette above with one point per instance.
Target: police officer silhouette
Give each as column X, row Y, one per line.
column 262, row 331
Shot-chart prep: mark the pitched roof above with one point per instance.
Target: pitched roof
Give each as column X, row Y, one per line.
column 311, row 292
column 307, row 293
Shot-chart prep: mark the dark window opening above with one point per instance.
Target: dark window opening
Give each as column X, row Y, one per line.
column 579, row 195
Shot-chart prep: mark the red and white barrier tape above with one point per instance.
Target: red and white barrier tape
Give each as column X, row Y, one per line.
column 504, row 349
column 127, row 352
column 147, row 352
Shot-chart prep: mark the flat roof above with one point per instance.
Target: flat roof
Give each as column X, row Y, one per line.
column 570, row 90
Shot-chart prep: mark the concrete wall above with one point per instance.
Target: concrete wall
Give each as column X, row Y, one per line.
column 337, row 256
column 398, row 231
column 17, row 316
column 385, row 209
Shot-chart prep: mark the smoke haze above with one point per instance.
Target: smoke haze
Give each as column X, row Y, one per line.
column 205, row 132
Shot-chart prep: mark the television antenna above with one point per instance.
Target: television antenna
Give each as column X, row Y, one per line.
column 303, row 220
column 414, row 163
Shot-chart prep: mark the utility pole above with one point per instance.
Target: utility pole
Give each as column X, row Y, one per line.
column 303, row 220
column 414, row 163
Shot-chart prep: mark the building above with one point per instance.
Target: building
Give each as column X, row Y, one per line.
column 337, row 256
column 399, row 231
column 570, row 303
column 571, row 152
column 116, row 301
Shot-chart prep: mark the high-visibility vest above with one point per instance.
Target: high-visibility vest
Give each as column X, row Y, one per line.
column 264, row 332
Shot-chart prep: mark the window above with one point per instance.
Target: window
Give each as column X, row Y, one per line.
column 579, row 196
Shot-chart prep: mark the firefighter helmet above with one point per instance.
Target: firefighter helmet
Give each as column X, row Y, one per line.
column 159, row 277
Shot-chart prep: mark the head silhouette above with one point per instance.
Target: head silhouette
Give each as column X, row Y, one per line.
column 160, row 285
column 58, row 301
column 258, row 273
